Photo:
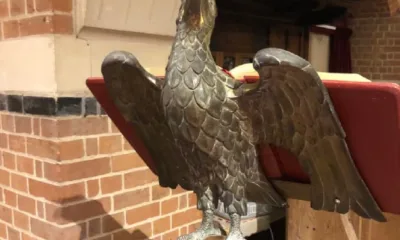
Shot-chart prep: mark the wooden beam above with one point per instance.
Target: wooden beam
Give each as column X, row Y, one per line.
column 293, row 190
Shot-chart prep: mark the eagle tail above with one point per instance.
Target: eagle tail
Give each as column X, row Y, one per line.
column 264, row 193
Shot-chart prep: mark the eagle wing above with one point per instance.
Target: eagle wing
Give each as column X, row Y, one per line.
column 137, row 95
column 291, row 109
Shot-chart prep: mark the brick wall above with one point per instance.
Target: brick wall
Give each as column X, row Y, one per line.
column 376, row 39
column 77, row 178
column 30, row 17
column 66, row 172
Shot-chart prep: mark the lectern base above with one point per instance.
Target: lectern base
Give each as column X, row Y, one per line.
column 308, row 224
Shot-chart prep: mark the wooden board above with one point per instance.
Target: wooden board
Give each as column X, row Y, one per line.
column 304, row 223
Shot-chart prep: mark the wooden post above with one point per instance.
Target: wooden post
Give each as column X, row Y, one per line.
column 304, row 223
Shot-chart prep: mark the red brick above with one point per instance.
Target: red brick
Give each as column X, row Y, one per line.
column 111, row 184
column 83, row 230
column 19, row 182
column 110, row 144
column 66, row 193
column 126, row 162
column 36, row 122
column 42, row 148
column 11, row 29
column 63, row 6
column 53, row 213
column 48, row 231
column 21, row 220
column 54, row 5
column 93, row 188
column 43, row 229
column 44, row 5
column 40, row 209
column 3, row 8
column 25, row 165
column 113, row 222
column 188, row 216
column 23, row 124
column 178, row 190
column 169, row 206
column 142, row 213
column 30, row 6
column 92, row 146
column 183, row 231
column 3, row 230
column 26, row 204
column 82, row 126
column 13, row 234
column 162, row 225
column 131, row 198
column 94, row 227
column 5, row 214
column 38, row 168
column 171, row 235
column 114, row 128
column 25, row 236
column 17, row 143
column 17, row 7
column 48, row 128
column 71, row 149
column 193, row 227
column 7, row 121
column 63, row 24
column 77, row 170
column 5, row 178
column 3, row 140
column 159, row 192
column 183, row 202
column 127, row 145
column 107, row 237
column 8, row 160
column 192, row 199
column 139, row 178
column 10, row 198
column 83, row 211
column 142, row 232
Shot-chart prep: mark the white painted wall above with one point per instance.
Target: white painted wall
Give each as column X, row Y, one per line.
column 60, row 65
column 28, row 65
column 318, row 54
column 141, row 16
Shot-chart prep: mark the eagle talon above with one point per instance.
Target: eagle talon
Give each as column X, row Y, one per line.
column 235, row 235
column 202, row 233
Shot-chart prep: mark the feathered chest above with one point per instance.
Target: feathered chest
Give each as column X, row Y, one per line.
column 193, row 100
column 194, row 97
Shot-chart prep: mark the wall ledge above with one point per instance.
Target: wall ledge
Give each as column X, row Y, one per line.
column 154, row 17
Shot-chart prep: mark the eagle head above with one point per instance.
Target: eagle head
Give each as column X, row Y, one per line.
column 196, row 14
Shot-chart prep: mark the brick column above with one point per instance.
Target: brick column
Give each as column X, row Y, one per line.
column 65, row 170
column 376, row 39
column 394, row 7
column 27, row 17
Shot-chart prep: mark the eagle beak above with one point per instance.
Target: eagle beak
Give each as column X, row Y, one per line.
column 196, row 13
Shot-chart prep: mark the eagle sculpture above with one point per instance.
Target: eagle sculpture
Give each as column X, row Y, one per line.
column 202, row 127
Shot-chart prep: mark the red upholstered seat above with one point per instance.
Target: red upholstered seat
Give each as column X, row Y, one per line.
column 370, row 115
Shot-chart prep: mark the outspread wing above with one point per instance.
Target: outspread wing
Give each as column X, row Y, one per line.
column 137, row 94
column 292, row 109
